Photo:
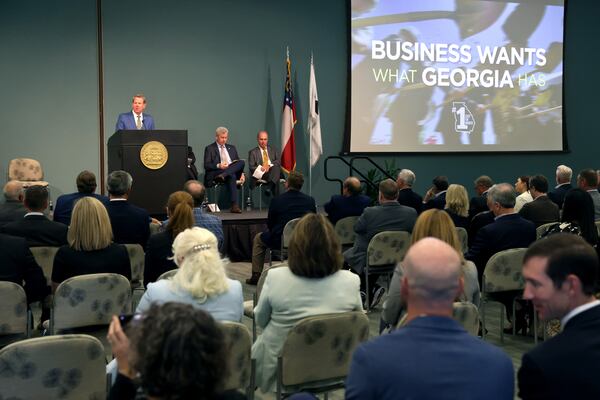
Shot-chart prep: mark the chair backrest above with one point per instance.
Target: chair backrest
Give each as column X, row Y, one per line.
column 387, row 248
column 467, row 314
column 88, row 300
column 463, row 236
column 503, row 271
column 69, row 367
column 154, row 229
column 263, row 277
column 13, row 309
column 319, row 349
column 136, row 260
column 598, row 226
column 540, row 230
column 44, row 256
column 287, row 232
column 167, row 275
column 344, row 229
column 26, row 170
column 238, row 342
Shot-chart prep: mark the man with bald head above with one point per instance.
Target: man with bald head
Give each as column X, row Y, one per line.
column 350, row 203
column 432, row 356
column 12, row 209
column 266, row 159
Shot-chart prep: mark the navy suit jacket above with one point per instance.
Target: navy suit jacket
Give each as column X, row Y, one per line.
column 564, row 367
column 429, row 358
column 212, row 158
column 130, row 224
column 407, row 197
column 38, row 231
column 126, row 121
column 438, row 202
column 66, row 202
column 339, row 206
column 478, row 204
column 283, row 208
column 558, row 194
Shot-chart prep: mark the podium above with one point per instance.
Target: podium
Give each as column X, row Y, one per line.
column 152, row 183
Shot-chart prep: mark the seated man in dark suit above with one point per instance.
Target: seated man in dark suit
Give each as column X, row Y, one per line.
column 401, row 365
column 34, row 226
column 587, row 180
column 436, row 195
column 560, row 274
column 130, row 224
column 564, row 175
column 266, row 158
column 541, row 210
column 135, row 119
column 86, row 186
column 406, row 196
column 222, row 165
column 479, row 203
column 350, row 203
column 12, row 209
column 285, row 207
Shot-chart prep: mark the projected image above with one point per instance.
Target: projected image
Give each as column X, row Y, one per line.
column 456, row 75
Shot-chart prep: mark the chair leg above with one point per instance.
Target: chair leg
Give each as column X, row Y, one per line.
column 260, row 197
column 367, row 289
column 279, row 378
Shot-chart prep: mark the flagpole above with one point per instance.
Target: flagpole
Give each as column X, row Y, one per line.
column 309, row 137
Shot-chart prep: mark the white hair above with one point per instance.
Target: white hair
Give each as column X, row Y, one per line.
column 563, row 174
column 221, row 130
column 407, row 176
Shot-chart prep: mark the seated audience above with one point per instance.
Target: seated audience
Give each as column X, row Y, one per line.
column 436, row 195
column 159, row 253
column 432, row 356
column 479, row 203
column 86, row 186
column 313, row 284
column 437, row 224
column 522, row 188
column 560, row 274
column 200, row 280
column 563, row 185
column 90, row 249
column 588, row 181
column 172, row 351
column 350, row 203
column 12, row 209
column 130, row 224
column 457, row 205
column 203, row 219
column 406, row 196
column 541, row 210
column 34, row 226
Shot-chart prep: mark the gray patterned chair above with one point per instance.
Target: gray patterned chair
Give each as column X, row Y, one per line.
column 167, row 275
column 69, row 367
column 502, row 273
column 463, row 236
column 317, row 352
column 540, row 230
column 137, row 261
column 15, row 318
column 467, row 314
column 344, row 229
column 44, row 256
column 285, row 241
column 27, row 171
column 241, row 366
column 385, row 250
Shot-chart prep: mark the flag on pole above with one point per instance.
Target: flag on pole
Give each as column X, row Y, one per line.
column 314, row 121
column 288, row 120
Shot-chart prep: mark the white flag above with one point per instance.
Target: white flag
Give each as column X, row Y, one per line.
column 314, row 121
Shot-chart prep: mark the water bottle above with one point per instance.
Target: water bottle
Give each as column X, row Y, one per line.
column 248, row 204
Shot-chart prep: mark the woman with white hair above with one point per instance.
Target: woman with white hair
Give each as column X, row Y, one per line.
column 200, row 280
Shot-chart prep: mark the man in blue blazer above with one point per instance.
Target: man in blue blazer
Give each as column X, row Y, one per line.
column 432, row 356
column 350, row 203
column 136, row 119
column 86, row 186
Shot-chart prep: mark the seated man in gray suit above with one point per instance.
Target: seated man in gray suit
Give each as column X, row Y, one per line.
column 266, row 159
column 588, row 181
column 389, row 215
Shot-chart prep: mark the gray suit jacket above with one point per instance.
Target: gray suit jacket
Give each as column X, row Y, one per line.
column 596, row 199
column 390, row 216
column 255, row 159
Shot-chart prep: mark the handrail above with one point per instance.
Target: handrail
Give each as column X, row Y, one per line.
column 384, row 172
column 352, row 170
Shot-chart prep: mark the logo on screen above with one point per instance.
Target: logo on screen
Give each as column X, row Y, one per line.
column 463, row 119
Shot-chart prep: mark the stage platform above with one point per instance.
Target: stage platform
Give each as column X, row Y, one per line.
column 239, row 231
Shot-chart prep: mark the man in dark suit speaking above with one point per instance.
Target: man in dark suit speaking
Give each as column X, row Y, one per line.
column 222, row 165
column 266, row 159
column 560, row 274
column 136, row 119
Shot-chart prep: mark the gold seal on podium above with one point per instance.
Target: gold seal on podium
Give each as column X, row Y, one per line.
column 154, row 155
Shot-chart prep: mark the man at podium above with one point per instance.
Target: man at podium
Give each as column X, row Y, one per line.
column 136, row 119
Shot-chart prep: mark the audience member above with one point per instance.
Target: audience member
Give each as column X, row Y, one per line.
column 130, row 224
column 406, row 196
column 173, row 351
column 12, row 209
column 266, row 158
column 313, row 284
column 350, row 203
column 289, row 205
column 457, row 205
column 524, row 197
column 588, row 181
column 436, row 195
column 159, row 253
column 560, row 273
column 432, row 223
column 432, row 356
column 541, row 210
column 563, row 185
column 203, row 219
column 90, row 249
column 479, row 203
column 389, row 215
column 86, row 186
column 34, row 226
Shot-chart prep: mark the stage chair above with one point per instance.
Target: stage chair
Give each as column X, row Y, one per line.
column 15, row 315
column 167, row 275
column 241, row 365
column 44, row 257
column 540, row 230
column 69, row 367
column 344, row 229
column 259, row 185
column 463, row 236
column 319, row 363
column 27, row 171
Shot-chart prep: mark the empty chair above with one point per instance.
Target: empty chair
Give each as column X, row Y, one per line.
column 27, row 171
column 241, row 367
column 15, row 319
column 344, row 229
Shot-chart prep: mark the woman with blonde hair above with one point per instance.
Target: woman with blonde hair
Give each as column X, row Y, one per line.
column 90, row 249
column 200, row 280
column 457, row 205
column 432, row 223
column 159, row 253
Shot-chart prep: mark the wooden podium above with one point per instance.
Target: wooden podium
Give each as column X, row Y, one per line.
column 152, row 183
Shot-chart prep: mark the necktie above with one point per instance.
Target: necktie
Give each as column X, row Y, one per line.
column 223, row 155
column 138, row 123
column 265, row 158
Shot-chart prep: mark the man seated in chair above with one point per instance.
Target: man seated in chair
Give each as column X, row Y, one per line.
column 222, row 165
column 432, row 356
column 12, row 209
column 86, row 186
column 201, row 218
column 265, row 158
column 350, row 203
